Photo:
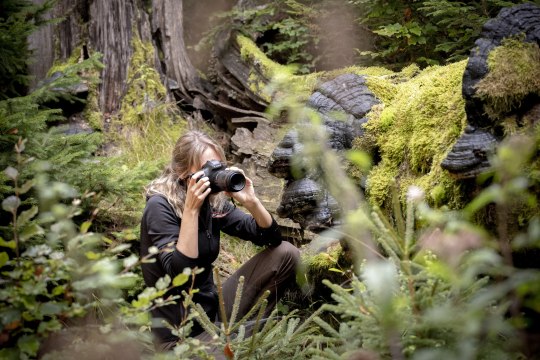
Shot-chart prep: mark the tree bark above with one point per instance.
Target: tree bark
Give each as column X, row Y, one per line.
column 168, row 33
column 41, row 44
column 108, row 27
column 111, row 24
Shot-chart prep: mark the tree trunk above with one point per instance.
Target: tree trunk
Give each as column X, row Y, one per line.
column 110, row 33
column 41, row 44
column 168, row 33
column 108, row 27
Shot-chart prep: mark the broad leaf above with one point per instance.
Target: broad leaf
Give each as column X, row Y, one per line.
column 11, row 203
column 27, row 215
column 4, row 258
column 180, row 279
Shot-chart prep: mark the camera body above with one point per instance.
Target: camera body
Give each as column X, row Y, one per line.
column 221, row 179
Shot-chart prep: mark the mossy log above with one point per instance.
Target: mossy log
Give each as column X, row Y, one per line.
column 435, row 126
column 470, row 155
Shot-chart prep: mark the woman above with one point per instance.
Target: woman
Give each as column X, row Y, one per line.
column 184, row 221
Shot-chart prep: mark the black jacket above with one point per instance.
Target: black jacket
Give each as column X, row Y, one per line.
column 160, row 227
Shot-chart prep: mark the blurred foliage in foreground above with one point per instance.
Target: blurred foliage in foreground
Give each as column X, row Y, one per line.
column 431, row 283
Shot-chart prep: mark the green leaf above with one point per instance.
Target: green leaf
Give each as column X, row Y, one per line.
column 130, row 261
column 131, row 237
column 27, row 215
column 10, row 354
column 28, row 344
column 9, row 244
column 90, row 255
column 336, row 270
column 359, row 158
column 11, row 203
column 49, row 326
column 11, row 173
column 4, row 258
column 163, row 282
column 58, row 290
column 120, row 248
column 180, row 279
column 50, row 308
column 85, row 226
column 493, row 193
column 8, row 316
column 415, row 29
column 26, row 187
column 30, row 231
column 390, row 30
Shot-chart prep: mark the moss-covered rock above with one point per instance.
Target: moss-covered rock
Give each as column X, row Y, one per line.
column 414, row 129
column 514, row 74
column 333, row 264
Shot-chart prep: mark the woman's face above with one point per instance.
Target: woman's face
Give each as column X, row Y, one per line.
column 208, row 154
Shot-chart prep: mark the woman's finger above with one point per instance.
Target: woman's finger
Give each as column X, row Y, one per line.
column 236, row 169
column 204, row 186
column 196, row 177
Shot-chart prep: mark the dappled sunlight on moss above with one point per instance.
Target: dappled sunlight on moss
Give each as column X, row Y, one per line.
column 514, row 73
column 413, row 133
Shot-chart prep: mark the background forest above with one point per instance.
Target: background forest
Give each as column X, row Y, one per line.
column 422, row 264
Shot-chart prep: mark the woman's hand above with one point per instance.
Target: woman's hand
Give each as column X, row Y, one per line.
column 198, row 188
column 249, row 200
column 246, row 196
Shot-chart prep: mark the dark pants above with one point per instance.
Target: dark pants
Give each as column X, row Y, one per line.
column 272, row 269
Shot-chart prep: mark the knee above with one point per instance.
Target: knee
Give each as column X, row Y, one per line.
column 288, row 252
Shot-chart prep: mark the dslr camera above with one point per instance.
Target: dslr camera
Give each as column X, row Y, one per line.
column 221, row 179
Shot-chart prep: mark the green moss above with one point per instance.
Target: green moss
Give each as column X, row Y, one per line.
column 145, row 88
column 270, row 70
column 409, row 72
column 61, row 66
column 91, row 111
column 382, row 88
column 382, row 82
column 330, row 264
column 323, row 261
column 147, row 124
column 414, row 132
column 514, row 73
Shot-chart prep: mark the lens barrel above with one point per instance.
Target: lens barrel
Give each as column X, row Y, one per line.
column 229, row 180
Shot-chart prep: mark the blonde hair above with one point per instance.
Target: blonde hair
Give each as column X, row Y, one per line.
column 187, row 154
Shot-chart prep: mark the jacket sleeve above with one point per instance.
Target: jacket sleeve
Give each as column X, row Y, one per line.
column 238, row 223
column 163, row 228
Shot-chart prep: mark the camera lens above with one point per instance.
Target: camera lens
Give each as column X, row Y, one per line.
column 229, row 180
column 236, row 182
